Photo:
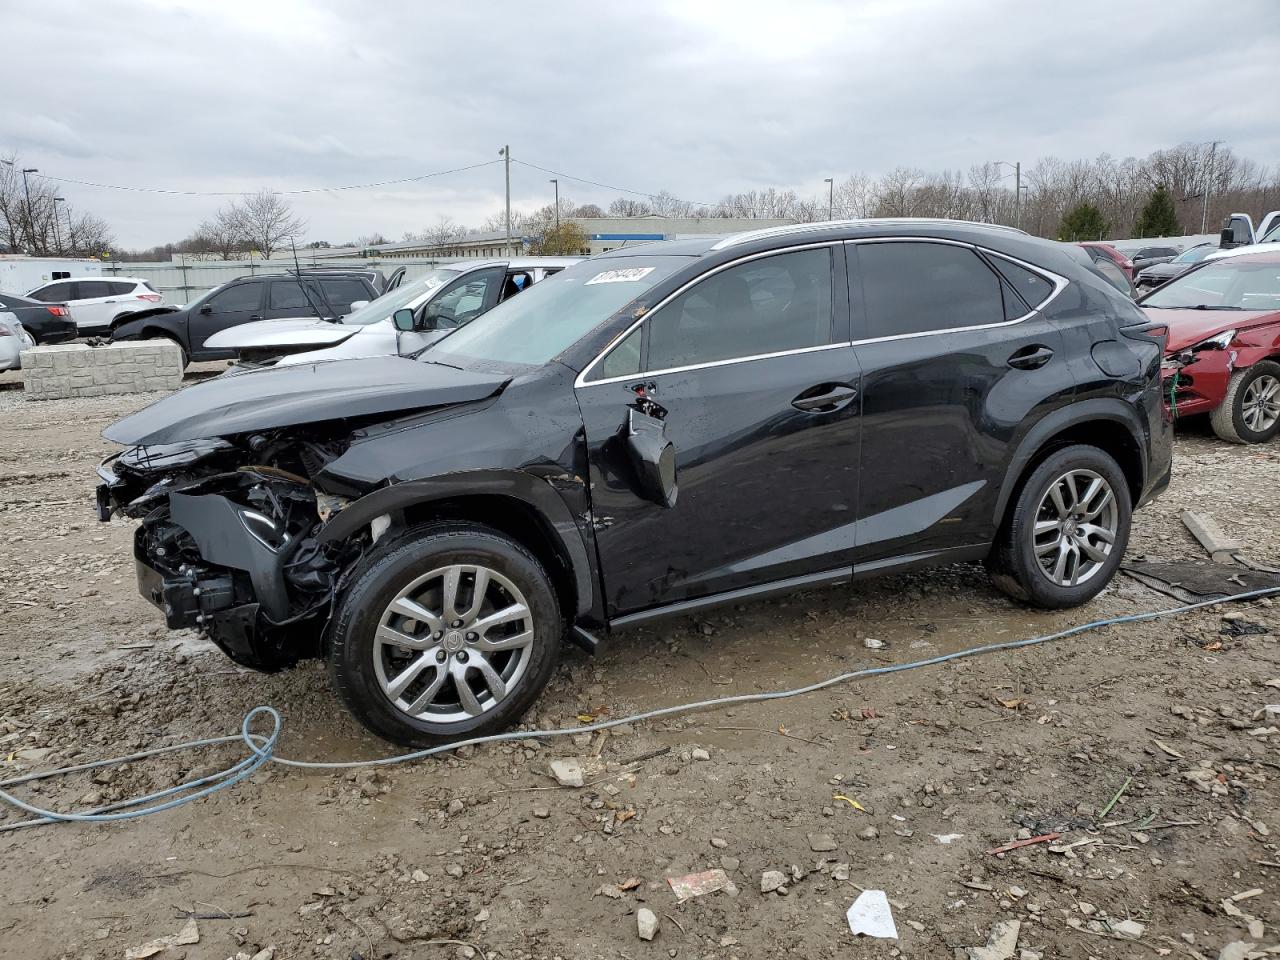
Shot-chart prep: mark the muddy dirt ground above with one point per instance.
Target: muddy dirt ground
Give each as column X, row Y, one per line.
column 482, row 853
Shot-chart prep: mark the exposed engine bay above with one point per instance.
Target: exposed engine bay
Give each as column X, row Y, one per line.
column 227, row 543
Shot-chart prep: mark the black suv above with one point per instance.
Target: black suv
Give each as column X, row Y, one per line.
column 651, row 432
column 243, row 300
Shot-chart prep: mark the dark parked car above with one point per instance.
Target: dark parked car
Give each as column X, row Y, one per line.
column 1150, row 256
column 46, row 322
column 243, row 300
column 651, row 432
column 1151, row 277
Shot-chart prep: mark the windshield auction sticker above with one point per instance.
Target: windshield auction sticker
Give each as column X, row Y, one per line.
column 620, row 276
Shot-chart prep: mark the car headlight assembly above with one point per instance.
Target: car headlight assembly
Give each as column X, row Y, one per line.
column 1220, row 341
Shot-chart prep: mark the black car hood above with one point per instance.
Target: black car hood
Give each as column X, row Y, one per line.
column 264, row 399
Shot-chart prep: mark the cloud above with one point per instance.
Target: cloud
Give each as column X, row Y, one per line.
column 699, row 99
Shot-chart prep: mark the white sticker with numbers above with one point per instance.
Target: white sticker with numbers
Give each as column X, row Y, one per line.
column 621, row 276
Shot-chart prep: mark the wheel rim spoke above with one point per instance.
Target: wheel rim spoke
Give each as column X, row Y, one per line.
column 466, row 696
column 517, row 611
column 401, row 639
column 412, row 610
column 514, row 642
column 423, row 700
column 406, row 677
column 492, row 679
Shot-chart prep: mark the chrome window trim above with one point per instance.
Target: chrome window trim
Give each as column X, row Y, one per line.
column 582, row 381
column 1059, row 284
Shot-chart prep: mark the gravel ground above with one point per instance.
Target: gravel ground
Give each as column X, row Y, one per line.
column 483, row 853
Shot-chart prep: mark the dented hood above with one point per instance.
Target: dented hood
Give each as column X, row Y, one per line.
column 1187, row 327
column 264, row 399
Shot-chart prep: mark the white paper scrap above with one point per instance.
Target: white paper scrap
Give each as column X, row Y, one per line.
column 870, row 915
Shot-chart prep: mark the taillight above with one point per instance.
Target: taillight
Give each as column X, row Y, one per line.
column 59, row 311
column 153, row 297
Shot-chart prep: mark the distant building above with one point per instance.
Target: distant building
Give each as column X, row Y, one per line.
column 603, row 234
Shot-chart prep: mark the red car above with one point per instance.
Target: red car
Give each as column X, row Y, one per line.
column 1223, row 352
column 1097, row 250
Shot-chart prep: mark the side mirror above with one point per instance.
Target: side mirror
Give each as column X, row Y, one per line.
column 206, row 309
column 1227, row 238
column 357, row 304
column 653, row 458
column 403, row 320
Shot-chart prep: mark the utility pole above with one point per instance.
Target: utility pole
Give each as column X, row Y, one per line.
column 505, row 153
column 57, row 235
column 1017, row 189
column 1208, row 185
column 557, row 184
column 831, row 196
column 31, row 224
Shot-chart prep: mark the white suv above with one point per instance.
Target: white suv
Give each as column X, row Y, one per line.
column 95, row 301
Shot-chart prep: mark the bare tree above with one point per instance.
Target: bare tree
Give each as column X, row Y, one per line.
column 224, row 232
column 629, row 207
column 267, row 221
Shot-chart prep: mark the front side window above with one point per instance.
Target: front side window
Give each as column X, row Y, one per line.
column 243, row 296
column 917, row 287
column 623, row 360
column 461, row 303
column 764, row 306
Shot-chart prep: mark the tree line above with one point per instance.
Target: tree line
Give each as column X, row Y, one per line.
column 1160, row 195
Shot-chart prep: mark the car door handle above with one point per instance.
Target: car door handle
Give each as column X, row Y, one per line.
column 825, row 397
column 255, row 317
column 1031, row 358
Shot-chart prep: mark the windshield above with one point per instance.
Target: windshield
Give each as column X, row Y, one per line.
column 541, row 323
column 1195, row 254
column 402, row 296
column 1229, row 284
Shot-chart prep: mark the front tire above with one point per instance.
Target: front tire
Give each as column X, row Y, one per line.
column 1250, row 412
column 1065, row 534
column 448, row 634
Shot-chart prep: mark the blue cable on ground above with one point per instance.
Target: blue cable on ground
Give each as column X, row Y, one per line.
column 262, row 746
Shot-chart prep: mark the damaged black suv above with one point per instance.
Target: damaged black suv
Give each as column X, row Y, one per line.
column 652, row 432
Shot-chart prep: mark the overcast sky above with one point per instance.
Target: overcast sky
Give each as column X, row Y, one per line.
column 698, row 98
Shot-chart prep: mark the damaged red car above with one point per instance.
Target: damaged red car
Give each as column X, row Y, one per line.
column 1223, row 354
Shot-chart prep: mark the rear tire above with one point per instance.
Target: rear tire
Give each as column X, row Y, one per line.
column 1065, row 533
column 449, row 633
column 1250, row 412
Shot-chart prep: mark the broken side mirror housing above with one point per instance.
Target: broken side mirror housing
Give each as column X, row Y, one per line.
column 403, row 320
column 652, row 457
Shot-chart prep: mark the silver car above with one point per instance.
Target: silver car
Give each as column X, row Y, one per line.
column 443, row 300
column 13, row 340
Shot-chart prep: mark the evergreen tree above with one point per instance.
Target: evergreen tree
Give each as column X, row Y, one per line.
column 1158, row 218
column 1082, row 222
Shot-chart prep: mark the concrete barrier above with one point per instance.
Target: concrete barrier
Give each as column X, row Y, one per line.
column 76, row 370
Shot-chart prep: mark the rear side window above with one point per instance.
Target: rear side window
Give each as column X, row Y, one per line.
column 759, row 307
column 287, row 295
column 89, row 289
column 121, row 287
column 53, row 293
column 916, row 287
column 342, row 293
column 1031, row 286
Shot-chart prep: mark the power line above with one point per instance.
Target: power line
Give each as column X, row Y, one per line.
column 609, row 186
column 249, row 193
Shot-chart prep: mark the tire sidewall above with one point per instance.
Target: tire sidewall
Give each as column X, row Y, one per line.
column 352, row 642
column 1040, row 589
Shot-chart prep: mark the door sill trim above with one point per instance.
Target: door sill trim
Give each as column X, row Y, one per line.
column 828, row 578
